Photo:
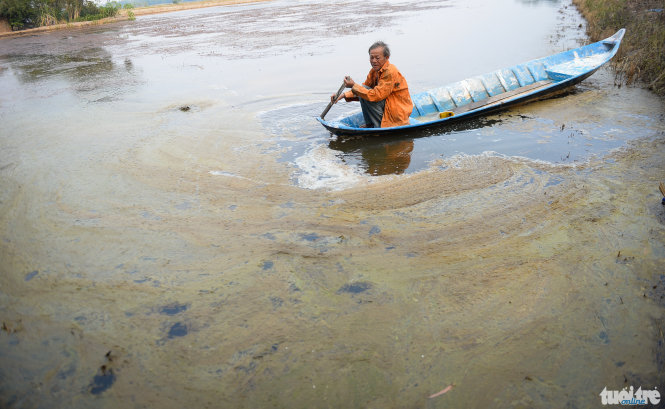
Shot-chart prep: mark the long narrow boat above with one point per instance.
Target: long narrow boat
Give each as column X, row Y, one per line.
column 497, row 90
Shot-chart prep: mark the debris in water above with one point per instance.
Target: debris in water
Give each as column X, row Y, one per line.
column 11, row 327
column 441, row 392
column 104, row 378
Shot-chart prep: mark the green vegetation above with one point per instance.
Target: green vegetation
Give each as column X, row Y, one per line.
column 109, row 10
column 130, row 12
column 34, row 13
column 148, row 3
column 642, row 53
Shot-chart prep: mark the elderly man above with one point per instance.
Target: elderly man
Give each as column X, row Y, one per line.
column 384, row 96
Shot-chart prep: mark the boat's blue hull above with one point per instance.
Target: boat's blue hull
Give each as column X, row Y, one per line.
column 494, row 91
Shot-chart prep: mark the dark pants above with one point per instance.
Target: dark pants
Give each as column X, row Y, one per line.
column 372, row 111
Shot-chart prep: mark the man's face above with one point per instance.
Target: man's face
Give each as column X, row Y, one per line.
column 376, row 58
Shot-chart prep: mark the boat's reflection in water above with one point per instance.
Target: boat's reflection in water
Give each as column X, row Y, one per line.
column 386, row 155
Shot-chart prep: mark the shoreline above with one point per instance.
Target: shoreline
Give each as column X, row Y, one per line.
column 640, row 59
column 123, row 15
column 168, row 8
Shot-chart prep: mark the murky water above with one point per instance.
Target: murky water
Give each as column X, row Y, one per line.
column 178, row 231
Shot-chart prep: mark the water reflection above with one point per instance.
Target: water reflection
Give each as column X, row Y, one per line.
column 383, row 155
column 87, row 71
column 283, row 24
column 82, row 64
column 378, row 156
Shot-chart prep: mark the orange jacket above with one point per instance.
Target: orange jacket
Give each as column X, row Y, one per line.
column 389, row 84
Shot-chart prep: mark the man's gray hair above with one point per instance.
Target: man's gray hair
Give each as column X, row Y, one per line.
column 386, row 50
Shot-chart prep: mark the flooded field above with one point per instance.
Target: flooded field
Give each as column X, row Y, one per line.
column 177, row 230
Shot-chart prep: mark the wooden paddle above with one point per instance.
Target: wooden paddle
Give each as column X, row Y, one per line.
column 339, row 92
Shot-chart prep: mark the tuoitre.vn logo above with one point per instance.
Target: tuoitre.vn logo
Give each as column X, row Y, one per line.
column 630, row 397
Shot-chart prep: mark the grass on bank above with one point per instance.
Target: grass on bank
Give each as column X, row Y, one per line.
column 26, row 14
column 641, row 57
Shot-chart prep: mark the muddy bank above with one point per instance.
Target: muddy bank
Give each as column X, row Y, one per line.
column 167, row 8
column 641, row 58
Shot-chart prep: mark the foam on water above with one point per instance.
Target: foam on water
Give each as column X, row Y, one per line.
column 320, row 168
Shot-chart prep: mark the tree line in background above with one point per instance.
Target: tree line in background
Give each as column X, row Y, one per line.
column 35, row 13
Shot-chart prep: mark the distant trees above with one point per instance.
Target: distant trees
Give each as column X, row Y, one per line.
column 33, row 13
column 16, row 11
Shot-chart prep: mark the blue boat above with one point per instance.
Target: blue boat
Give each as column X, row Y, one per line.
column 497, row 90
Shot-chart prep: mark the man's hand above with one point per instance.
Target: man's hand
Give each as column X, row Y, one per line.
column 349, row 82
column 333, row 100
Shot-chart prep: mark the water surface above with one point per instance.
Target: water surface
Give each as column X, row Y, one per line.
column 178, row 231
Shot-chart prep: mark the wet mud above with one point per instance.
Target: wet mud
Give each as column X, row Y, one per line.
column 234, row 254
